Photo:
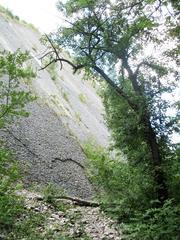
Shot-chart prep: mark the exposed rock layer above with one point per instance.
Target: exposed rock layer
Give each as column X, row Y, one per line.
column 42, row 142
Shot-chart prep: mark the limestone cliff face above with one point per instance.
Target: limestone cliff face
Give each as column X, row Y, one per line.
column 67, row 112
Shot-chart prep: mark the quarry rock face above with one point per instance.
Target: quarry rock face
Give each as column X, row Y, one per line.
column 67, row 111
column 46, row 151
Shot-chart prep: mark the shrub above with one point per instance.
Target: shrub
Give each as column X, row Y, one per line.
column 124, row 188
column 10, row 203
column 155, row 223
column 51, row 193
column 12, row 104
column 82, row 98
column 12, row 98
column 125, row 192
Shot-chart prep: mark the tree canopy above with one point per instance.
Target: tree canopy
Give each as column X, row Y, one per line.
column 112, row 39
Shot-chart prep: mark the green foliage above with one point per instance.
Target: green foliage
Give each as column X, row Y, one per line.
column 155, row 223
column 10, row 205
column 27, row 227
column 82, row 98
column 12, row 103
column 125, row 192
column 6, row 12
column 110, row 38
column 51, row 194
column 78, row 117
column 172, row 169
column 126, row 188
column 128, row 136
column 124, row 125
column 65, row 96
column 12, row 97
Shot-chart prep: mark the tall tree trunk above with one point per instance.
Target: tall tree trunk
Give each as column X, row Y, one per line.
column 151, row 139
column 159, row 177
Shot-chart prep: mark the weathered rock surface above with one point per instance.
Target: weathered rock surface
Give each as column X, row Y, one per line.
column 47, row 152
column 64, row 94
column 42, row 142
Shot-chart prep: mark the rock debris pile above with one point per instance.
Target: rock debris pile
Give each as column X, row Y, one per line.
column 77, row 222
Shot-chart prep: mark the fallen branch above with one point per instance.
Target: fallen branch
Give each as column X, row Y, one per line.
column 76, row 201
column 79, row 201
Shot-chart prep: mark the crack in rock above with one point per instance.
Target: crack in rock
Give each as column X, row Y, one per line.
column 23, row 144
column 68, row 160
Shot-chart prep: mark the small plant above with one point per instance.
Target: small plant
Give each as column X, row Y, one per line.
column 10, row 16
column 117, row 182
column 51, row 194
column 52, row 71
column 8, row 13
column 82, row 98
column 12, row 104
column 78, row 117
column 65, row 96
column 12, row 98
column 28, row 226
column 10, row 205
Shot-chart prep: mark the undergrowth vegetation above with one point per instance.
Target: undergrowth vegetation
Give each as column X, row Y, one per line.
column 125, row 193
column 16, row 222
column 10, row 205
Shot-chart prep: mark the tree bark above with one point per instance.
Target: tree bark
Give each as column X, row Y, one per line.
column 151, row 139
column 159, row 177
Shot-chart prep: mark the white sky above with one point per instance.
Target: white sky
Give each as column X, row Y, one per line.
column 42, row 13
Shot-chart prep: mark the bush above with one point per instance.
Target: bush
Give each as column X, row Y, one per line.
column 10, row 204
column 124, row 188
column 12, row 98
column 82, row 98
column 156, row 223
column 12, row 105
column 126, row 193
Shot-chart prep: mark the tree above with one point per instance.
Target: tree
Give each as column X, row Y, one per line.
column 108, row 38
column 13, row 97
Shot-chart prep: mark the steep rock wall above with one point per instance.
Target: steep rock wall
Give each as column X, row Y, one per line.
column 42, row 142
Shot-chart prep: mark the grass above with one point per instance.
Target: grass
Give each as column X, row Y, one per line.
column 9, row 15
column 52, row 71
column 50, row 192
column 82, row 98
column 78, row 117
column 65, row 96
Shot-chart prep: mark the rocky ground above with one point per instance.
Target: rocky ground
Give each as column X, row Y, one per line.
column 75, row 222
